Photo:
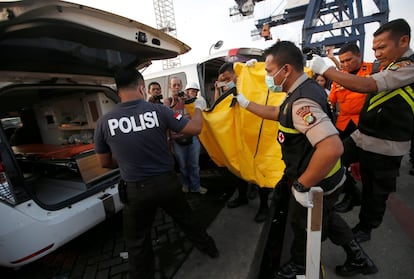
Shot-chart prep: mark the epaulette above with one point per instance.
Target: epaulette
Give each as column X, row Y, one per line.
column 402, row 62
column 405, row 58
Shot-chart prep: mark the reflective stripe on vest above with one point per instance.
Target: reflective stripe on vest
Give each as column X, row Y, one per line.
column 288, row 130
column 406, row 93
column 336, row 168
column 294, row 131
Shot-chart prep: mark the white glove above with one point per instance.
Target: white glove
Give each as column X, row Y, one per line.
column 243, row 102
column 200, row 103
column 304, row 198
column 318, row 65
column 250, row 63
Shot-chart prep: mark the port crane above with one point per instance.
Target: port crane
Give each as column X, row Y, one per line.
column 165, row 20
column 335, row 21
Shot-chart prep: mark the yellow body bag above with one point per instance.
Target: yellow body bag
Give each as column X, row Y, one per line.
column 238, row 139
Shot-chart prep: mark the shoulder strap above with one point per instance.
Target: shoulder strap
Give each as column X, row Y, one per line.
column 375, row 67
column 411, row 58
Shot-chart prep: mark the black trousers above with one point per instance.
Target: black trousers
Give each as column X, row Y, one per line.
column 333, row 226
column 412, row 150
column 379, row 178
column 349, row 187
column 144, row 198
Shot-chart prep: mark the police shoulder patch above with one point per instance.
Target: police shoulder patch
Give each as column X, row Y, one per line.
column 400, row 64
column 307, row 116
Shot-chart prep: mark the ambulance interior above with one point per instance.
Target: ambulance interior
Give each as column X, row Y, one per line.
column 60, row 164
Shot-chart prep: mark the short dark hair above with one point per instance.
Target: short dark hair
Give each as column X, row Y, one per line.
column 153, row 83
column 352, row 47
column 397, row 28
column 175, row 77
column 128, row 78
column 285, row 52
column 226, row 67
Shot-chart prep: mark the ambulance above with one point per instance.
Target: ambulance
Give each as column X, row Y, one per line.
column 58, row 61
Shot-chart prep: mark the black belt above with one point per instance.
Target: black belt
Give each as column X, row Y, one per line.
column 136, row 184
column 142, row 183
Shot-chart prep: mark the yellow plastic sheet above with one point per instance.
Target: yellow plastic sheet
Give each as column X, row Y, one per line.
column 239, row 140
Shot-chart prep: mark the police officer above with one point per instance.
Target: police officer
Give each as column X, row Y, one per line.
column 133, row 137
column 311, row 149
column 386, row 121
column 350, row 104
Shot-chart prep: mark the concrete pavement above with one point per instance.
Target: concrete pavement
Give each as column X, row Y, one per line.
column 247, row 249
column 241, row 244
column 392, row 245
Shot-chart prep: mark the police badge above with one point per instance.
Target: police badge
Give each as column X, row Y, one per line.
column 306, row 115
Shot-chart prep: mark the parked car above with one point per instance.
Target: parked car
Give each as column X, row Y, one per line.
column 57, row 65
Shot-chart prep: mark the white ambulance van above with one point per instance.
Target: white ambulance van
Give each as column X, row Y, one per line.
column 58, row 61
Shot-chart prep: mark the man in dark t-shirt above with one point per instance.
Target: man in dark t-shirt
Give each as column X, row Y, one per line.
column 133, row 137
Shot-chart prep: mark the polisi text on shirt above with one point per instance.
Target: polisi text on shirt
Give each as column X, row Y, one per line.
column 130, row 124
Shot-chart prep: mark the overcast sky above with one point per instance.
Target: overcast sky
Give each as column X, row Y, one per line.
column 202, row 23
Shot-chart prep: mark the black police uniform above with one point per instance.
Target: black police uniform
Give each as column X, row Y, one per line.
column 135, row 133
column 386, row 120
column 297, row 152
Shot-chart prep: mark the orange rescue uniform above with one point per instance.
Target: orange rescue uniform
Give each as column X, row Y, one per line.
column 350, row 102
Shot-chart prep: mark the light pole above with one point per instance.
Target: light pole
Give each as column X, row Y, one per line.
column 216, row 45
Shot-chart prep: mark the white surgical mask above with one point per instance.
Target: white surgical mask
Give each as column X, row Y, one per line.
column 270, row 82
column 230, row 85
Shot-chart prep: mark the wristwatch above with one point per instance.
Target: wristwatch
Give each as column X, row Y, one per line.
column 299, row 187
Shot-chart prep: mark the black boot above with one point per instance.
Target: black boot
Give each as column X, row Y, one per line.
column 261, row 214
column 242, row 196
column 290, row 270
column 352, row 197
column 361, row 233
column 237, row 202
column 356, row 261
column 208, row 247
column 347, row 204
